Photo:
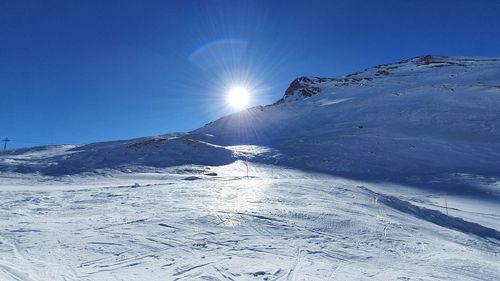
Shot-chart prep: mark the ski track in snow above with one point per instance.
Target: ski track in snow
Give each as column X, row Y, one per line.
column 129, row 210
column 279, row 224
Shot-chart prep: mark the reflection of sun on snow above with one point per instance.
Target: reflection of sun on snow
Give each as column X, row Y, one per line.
column 238, row 197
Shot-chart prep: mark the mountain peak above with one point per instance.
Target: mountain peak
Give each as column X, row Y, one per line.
column 302, row 87
column 433, row 113
column 423, row 66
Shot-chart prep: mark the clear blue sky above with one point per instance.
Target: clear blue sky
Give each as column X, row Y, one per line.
column 84, row 71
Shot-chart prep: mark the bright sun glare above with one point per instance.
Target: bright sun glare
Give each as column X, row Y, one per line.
column 238, row 97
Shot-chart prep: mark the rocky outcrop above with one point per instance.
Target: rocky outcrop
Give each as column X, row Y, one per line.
column 303, row 87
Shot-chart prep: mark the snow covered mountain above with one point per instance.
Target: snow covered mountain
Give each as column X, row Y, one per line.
column 411, row 191
column 424, row 115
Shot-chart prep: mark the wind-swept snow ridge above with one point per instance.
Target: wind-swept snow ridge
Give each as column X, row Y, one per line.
column 436, row 217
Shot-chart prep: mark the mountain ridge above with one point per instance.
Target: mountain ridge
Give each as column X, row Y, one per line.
column 428, row 114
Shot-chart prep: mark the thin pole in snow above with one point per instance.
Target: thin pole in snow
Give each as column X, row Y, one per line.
column 5, row 140
column 446, row 204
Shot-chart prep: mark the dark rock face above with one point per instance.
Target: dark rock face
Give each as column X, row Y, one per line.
column 440, row 61
column 302, row 86
column 428, row 59
column 382, row 72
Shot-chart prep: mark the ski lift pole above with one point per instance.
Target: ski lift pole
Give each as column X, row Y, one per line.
column 246, row 164
column 5, row 140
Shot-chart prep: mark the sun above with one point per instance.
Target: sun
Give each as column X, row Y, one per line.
column 238, row 97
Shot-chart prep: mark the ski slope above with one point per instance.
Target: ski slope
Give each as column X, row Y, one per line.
column 278, row 224
column 390, row 173
column 424, row 115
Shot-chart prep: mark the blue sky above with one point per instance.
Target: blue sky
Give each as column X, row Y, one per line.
column 84, row 71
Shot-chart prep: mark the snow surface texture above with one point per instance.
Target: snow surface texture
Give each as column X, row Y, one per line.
column 278, row 224
column 396, row 144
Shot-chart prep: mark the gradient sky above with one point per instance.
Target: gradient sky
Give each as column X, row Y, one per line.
column 85, row 71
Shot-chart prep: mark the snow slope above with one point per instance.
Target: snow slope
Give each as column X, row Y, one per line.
column 278, row 224
column 419, row 116
column 409, row 188
column 425, row 115
column 160, row 151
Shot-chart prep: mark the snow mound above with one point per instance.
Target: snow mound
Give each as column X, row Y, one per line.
column 161, row 151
